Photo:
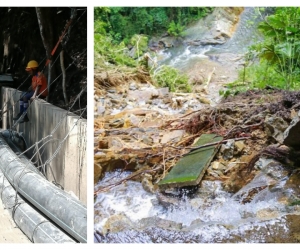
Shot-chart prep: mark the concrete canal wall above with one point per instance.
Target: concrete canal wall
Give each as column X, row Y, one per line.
column 62, row 138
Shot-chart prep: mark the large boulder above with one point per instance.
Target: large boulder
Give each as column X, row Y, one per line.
column 291, row 134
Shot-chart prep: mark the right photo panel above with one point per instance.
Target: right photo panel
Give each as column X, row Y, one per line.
column 196, row 124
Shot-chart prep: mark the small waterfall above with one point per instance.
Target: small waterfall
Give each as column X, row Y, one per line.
column 211, row 215
column 246, row 34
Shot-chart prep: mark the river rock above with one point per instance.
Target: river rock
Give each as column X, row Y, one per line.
column 227, row 150
column 133, row 86
column 157, row 222
column 147, row 184
column 218, row 166
column 117, row 223
column 131, row 121
column 275, row 170
column 239, row 147
column 293, row 184
column 100, row 109
column 169, row 41
column 115, row 143
column 146, row 94
column 267, row 214
column 116, row 123
column 167, row 201
column 174, row 136
column 291, row 134
column 275, row 127
column 97, row 172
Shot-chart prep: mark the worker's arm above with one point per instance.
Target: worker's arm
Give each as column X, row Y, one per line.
column 35, row 92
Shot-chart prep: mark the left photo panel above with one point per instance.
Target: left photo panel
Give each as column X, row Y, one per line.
column 43, row 125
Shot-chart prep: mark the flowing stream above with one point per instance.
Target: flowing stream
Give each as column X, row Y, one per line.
column 210, row 215
column 182, row 57
column 127, row 213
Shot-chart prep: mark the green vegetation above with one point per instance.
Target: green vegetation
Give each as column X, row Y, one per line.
column 175, row 29
column 140, row 45
column 106, row 53
column 278, row 54
column 172, row 78
column 124, row 22
column 281, row 46
column 296, row 202
column 121, row 37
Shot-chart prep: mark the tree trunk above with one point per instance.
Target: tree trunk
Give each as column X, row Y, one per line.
column 63, row 70
column 44, row 17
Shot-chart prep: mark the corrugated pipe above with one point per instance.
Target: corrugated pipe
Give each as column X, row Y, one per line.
column 59, row 206
column 36, row 227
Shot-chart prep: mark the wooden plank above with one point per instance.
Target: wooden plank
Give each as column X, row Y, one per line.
column 190, row 169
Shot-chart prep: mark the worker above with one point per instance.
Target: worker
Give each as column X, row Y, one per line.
column 38, row 88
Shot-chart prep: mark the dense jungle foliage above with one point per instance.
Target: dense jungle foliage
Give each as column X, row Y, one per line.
column 119, row 29
column 275, row 61
column 121, row 23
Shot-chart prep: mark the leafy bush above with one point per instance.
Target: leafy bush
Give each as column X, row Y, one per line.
column 175, row 29
column 105, row 51
column 167, row 76
column 100, row 27
column 140, row 44
column 281, row 46
column 262, row 75
column 257, row 76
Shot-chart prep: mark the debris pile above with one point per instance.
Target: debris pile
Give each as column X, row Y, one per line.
column 147, row 130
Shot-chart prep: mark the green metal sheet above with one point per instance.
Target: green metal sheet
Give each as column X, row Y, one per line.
column 190, row 169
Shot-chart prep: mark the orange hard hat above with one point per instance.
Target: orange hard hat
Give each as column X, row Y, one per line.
column 32, row 65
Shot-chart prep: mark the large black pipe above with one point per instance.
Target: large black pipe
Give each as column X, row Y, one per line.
column 14, row 140
column 59, row 206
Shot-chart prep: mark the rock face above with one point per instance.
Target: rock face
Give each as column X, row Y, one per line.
column 275, row 126
column 219, row 26
column 215, row 29
column 291, row 134
column 208, row 69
